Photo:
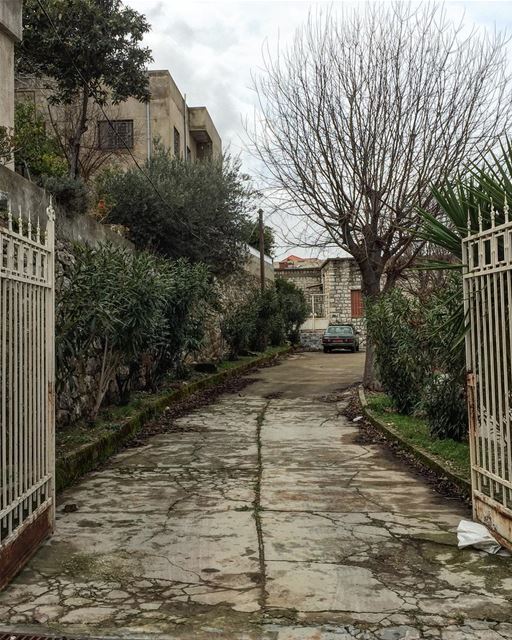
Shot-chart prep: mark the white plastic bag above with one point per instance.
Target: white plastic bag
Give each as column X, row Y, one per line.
column 474, row 534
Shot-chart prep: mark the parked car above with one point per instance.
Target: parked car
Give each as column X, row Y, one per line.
column 340, row 336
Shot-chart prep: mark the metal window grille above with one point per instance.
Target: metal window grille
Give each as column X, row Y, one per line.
column 116, row 134
column 317, row 305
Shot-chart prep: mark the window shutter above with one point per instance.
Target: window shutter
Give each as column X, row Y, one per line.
column 357, row 303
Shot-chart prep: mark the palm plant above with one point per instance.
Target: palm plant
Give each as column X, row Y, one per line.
column 476, row 200
column 469, row 203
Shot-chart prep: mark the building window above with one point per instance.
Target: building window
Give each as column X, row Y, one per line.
column 204, row 151
column 116, row 134
column 176, row 142
column 356, row 300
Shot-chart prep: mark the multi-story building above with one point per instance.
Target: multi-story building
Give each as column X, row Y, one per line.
column 130, row 130
column 188, row 131
column 333, row 291
column 10, row 33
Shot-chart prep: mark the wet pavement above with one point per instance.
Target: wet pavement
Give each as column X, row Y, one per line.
column 263, row 517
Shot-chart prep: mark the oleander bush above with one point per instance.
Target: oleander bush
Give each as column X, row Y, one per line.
column 269, row 317
column 123, row 306
column 419, row 360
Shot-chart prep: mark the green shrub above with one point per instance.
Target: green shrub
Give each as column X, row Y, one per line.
column 293, row 307
column 115, row 303
column 70, row 193
column 189, row 296
column 266, row 318
column 418, row 356
column 394, row 323
column 200, row 211
column 36, row 152
column 6, row 145
column 444, row 404
column 237, row 329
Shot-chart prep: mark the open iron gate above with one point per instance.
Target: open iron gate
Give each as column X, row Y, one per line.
column 26, row 390
column 487, row 259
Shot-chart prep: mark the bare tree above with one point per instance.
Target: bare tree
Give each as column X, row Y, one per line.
column 365, row 111
column 92, row 157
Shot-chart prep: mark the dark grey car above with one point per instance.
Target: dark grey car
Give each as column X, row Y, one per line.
column 340, row 336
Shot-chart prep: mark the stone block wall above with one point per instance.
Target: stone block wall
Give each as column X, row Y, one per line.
column 233, row 291
column 340, row 277
column 336, row 278
column 307, row 279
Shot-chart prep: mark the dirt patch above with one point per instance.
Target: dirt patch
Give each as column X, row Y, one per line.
column 274, row 395
column 167, row 421
column 368, row 434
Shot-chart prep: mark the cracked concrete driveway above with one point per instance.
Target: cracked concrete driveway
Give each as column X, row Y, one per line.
column 262, row 517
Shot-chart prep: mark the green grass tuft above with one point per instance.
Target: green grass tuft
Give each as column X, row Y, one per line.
column 455, row 455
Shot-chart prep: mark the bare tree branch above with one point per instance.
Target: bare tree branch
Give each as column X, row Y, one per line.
column 365, row 111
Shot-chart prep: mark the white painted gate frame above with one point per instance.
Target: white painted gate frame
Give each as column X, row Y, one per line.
column 487, row 264
column 27, row 387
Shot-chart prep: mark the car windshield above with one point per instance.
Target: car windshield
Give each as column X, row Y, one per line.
column 340, row 331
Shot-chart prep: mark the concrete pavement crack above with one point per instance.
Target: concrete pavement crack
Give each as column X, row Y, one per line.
column 262, row 600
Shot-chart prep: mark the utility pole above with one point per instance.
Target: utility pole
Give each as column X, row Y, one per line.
column 262, row 250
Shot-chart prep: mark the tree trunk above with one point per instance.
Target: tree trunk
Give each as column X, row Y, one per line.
column 75, row 142
column 370, row 279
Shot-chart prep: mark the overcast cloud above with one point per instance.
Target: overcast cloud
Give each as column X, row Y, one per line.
column 211, row 48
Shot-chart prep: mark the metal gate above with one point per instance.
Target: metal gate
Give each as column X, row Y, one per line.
column 27, row 389
column 487, row 259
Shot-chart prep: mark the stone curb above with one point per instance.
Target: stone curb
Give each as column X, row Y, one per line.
column 420, row 454
column 77, row 463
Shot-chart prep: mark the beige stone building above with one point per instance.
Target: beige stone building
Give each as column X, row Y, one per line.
column 188, row 131
column 132, row 127
column 10, row 33
column 333, row 291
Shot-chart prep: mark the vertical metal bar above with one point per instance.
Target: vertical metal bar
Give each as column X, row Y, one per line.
column 470, row 363
column 498, row 367
column 38, row 370
column 50, row 340
column 491, row 382
column 482, row 375
column 509, row 373
column 505, row 368
column 11, row 347
column 3, row 376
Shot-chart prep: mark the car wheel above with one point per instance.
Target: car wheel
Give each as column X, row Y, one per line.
column 327, row 350
column 354, row 349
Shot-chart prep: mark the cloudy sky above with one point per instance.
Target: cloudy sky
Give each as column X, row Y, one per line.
column 211, row 48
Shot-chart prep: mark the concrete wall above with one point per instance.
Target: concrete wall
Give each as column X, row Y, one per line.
column 252, row 266
column 32, row 200
column 10, row 32
column 307, row 279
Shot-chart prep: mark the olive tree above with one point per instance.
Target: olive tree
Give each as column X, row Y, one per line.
column 367, row 109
